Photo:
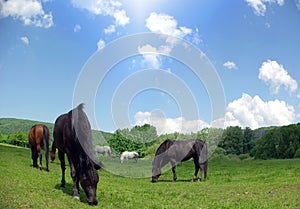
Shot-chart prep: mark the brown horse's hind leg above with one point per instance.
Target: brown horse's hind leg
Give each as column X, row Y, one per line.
column 34, row 156
column 39, row 155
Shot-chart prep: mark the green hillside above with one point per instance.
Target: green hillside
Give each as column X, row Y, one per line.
column 13, row 125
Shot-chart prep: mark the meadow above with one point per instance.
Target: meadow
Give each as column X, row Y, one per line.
column 231, row 184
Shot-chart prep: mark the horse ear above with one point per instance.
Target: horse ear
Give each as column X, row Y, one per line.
column 98, row 165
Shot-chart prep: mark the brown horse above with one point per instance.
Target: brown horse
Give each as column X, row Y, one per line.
column 39, row 136
column 73, row 136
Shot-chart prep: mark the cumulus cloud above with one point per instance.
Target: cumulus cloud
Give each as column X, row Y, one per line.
column 253, row 112
column 77, row 28
column 151, row 55
column 230, row 65
column 168, row 25
column 107, row 8
column 100, row 44
column 25, row 40
column 260, row 6
column 110, row 29
column 30, row 12
column 169, row 125
column 275, row 75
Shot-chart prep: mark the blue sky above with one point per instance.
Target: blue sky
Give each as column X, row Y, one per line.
column 252, row 46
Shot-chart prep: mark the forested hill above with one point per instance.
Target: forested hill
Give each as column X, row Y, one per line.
column 13, row 125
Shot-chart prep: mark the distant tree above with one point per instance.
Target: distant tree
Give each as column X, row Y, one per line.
column 232, row 140
column 281, row 142
column 18, row 138
column 137, row 139
column 248, row 143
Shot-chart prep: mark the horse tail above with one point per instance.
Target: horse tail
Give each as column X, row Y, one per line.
column 46, row 138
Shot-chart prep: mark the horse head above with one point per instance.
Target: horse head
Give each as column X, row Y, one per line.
column 89, row 179
column 156, row 170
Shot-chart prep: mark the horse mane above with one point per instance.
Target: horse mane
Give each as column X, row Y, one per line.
column 81, row 129
column 159, row 155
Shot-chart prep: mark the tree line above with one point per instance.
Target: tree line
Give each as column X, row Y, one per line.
column 262, row 143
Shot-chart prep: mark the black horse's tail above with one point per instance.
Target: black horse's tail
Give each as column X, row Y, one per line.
column 46, row 135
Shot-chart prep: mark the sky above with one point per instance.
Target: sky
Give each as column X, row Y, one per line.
column 179, row 67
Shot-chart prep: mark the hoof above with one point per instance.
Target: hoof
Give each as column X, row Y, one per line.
column 76, row 197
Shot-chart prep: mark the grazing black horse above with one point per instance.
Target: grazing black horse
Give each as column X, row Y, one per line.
column 72, row 135
column 175, row 151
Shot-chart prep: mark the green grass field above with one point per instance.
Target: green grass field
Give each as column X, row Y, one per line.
column 231, row 184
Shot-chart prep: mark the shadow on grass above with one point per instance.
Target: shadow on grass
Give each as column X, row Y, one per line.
column 68, row 189
column 178, row 180
column 37, row 168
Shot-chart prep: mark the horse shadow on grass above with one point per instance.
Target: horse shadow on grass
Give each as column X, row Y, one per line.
column 178, row 180
column 37, row 168
column 68, row 189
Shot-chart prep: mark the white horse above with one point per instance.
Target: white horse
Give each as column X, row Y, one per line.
column 104, row 150
column 129, row 155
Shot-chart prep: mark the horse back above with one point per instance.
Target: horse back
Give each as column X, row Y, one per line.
column 36, row 135
column 58, row 132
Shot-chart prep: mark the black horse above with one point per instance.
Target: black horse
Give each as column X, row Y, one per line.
column 175, row 151
column 72, row 135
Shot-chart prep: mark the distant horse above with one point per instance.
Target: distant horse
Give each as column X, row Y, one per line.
column 39, row 136
column 73, row 136
column 104, row 150
column 174, row 151
column 129, row 155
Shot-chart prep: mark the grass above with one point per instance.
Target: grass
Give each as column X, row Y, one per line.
column 231, row 184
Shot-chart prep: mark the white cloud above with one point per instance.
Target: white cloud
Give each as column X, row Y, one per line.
column 106, row 8
column 166, row 24
column 77, row 28
column 275, row 75
column 259, row 6
column 25, row 40
column 253, row 112
column 29, row 11
column 121, row 17
column 151, row 55
column 110, row 29
column 298, row 4
column 100, row 44
column 169, row 125
column 230, row 65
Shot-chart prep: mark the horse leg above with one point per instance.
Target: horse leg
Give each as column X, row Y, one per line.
column 61, row 157
column 174, row 171
column 34, row 156
column 197, row 167
column 40, row 155
column 75, row 178
column 204, row 167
